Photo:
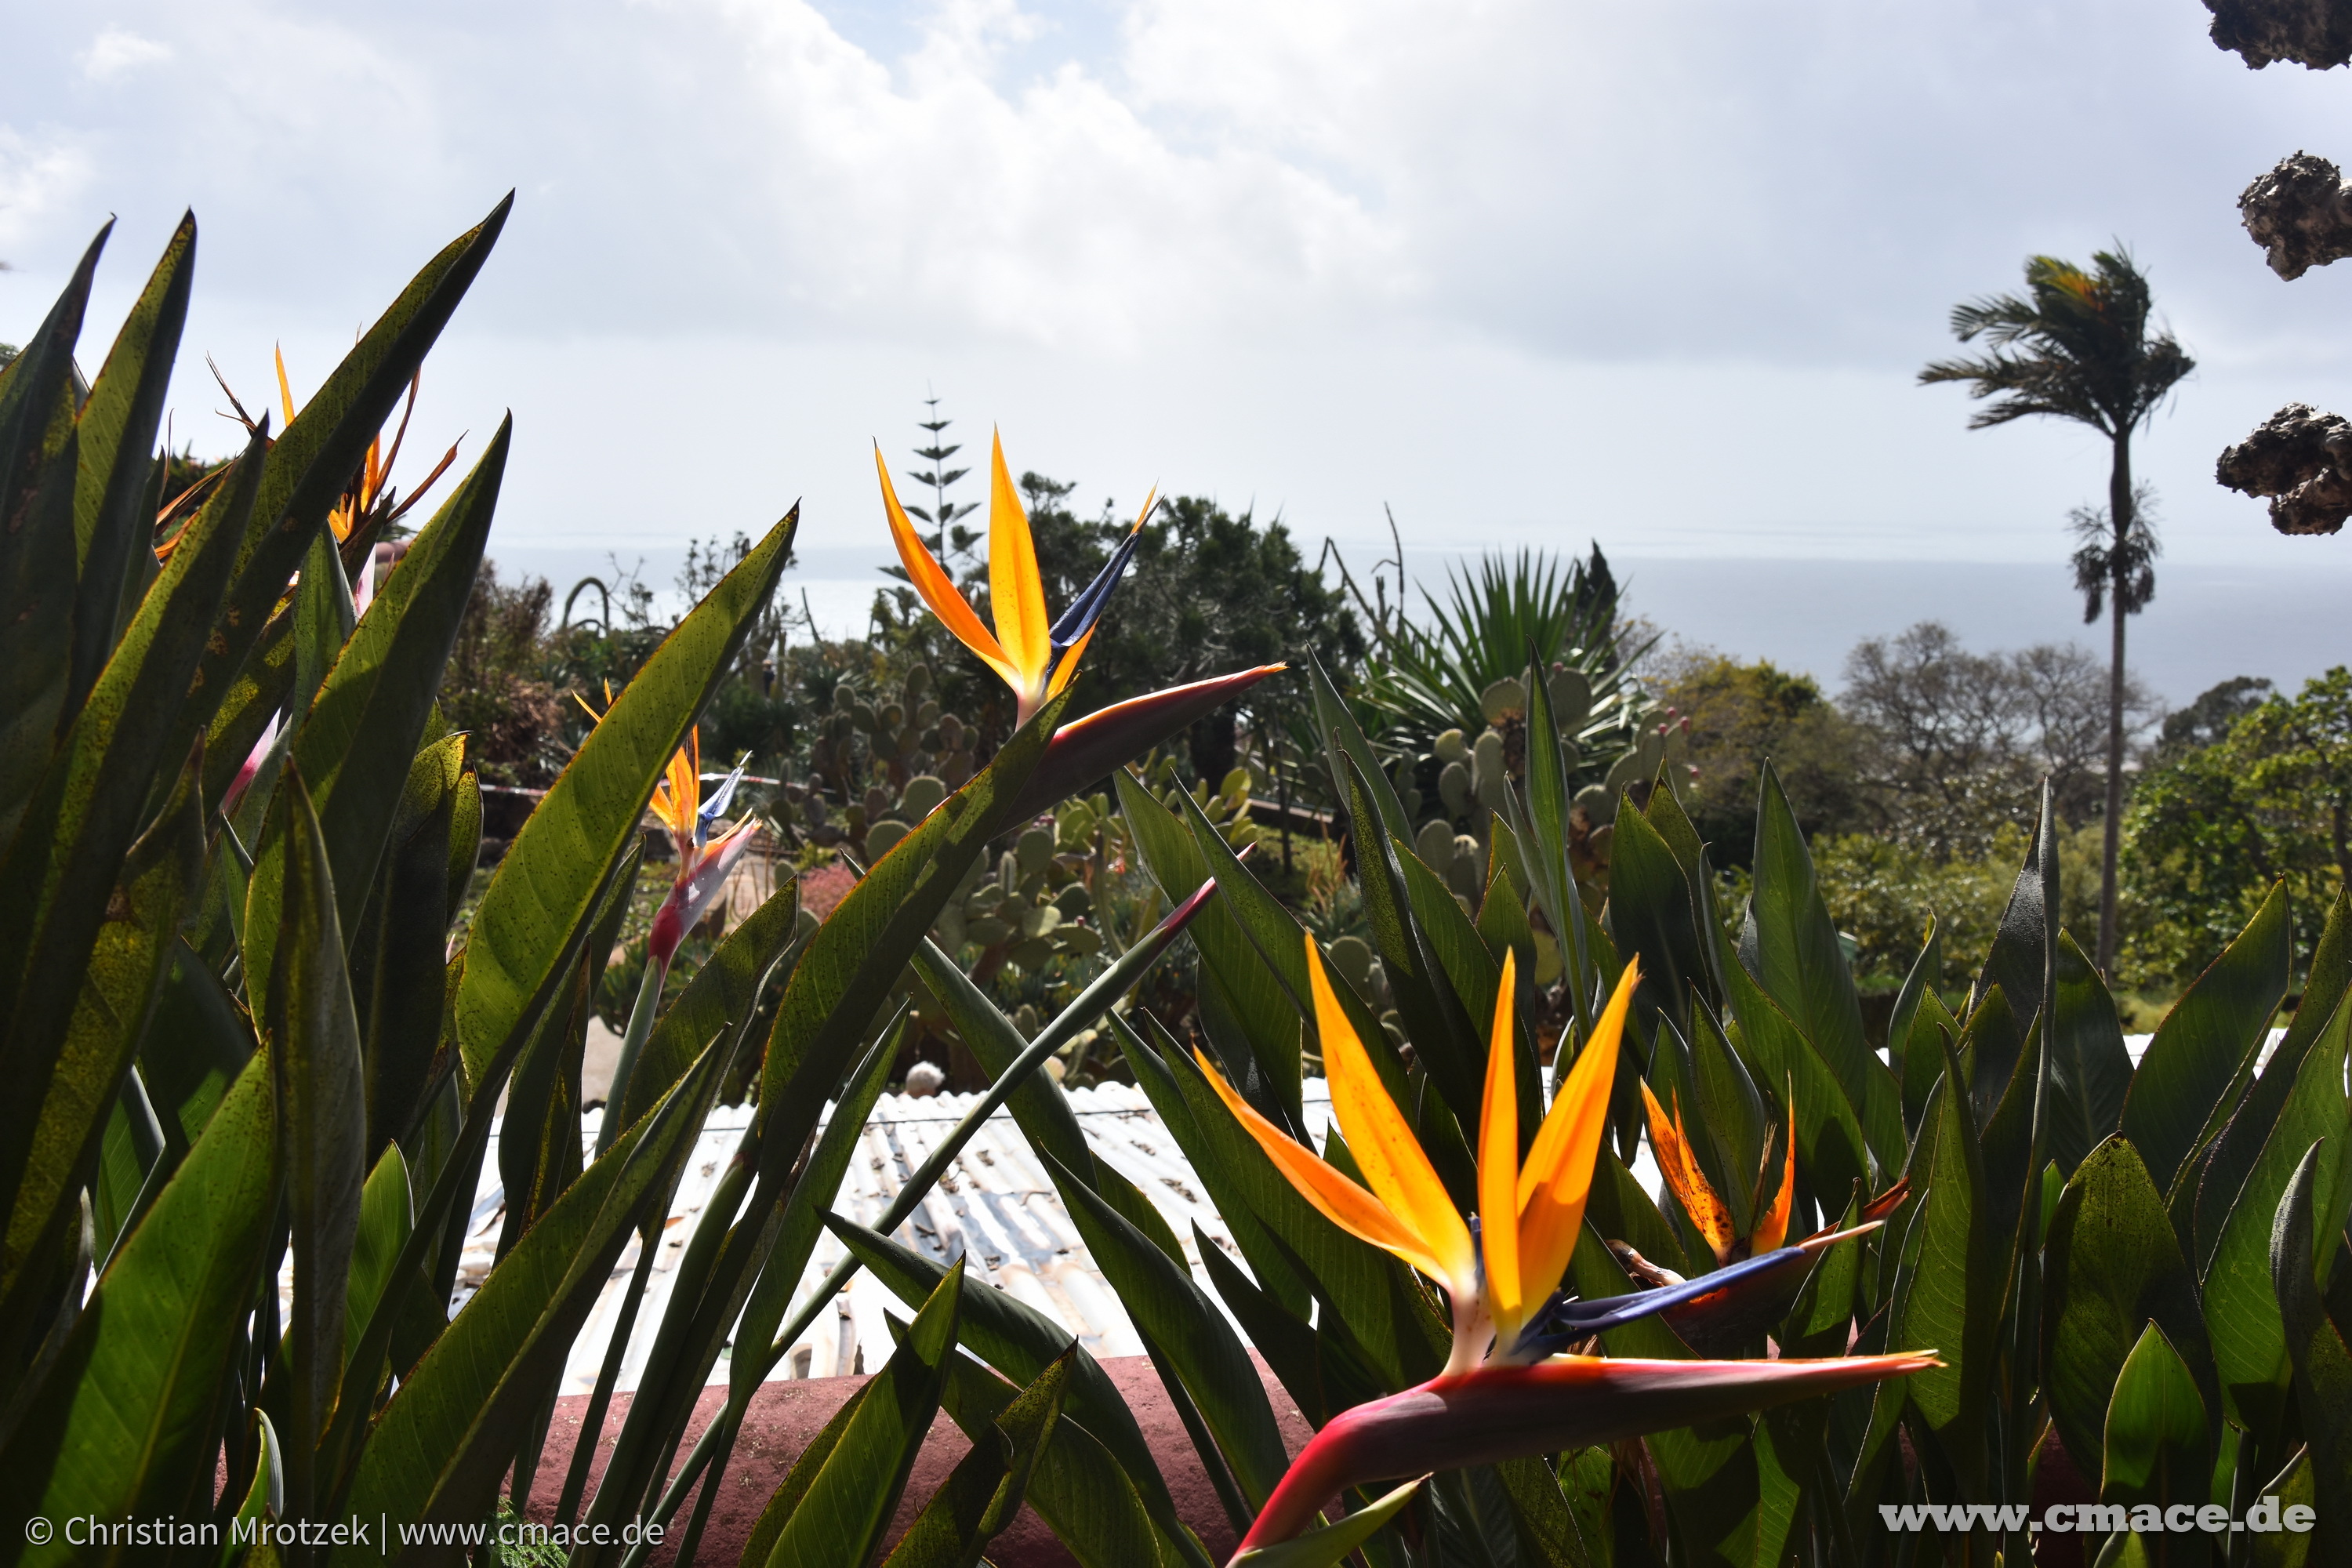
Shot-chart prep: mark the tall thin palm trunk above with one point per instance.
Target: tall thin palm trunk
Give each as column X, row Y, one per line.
column 2119, row 512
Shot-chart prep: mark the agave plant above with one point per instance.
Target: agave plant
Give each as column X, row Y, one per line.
column 1463, row 665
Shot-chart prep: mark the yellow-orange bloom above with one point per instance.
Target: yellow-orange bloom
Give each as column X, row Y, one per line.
column 1036, row 658
column 1705, row 1208
column 1530, row 1214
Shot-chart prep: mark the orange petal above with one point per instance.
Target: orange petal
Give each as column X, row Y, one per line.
column 678, row 795
column 285, row 391
column 1340, row 1200
column 1017, row 592
column 1068, row 671
column 1499, row 1165
column 1680, row 1168
column 938, row 590
column 1557, row 1176
column 1774, row 1228
column 1384, row 1143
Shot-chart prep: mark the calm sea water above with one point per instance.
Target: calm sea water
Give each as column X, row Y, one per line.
column 2207, row 624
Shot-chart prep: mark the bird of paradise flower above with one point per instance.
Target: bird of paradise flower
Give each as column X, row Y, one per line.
column 1036, row 661
column 1508, row 1388
column 705, row 857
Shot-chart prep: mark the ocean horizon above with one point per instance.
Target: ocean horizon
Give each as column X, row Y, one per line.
column 2208, row 623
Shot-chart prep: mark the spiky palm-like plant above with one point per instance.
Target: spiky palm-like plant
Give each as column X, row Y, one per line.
column 2081, row 346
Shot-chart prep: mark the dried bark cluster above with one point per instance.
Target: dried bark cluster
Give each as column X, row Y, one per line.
column 2313, row 33
column 2301, row 459
column 2300, row 214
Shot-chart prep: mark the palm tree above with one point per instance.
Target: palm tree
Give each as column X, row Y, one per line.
column 2078, row 345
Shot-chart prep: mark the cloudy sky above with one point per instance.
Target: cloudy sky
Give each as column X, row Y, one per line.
column 1524, row 271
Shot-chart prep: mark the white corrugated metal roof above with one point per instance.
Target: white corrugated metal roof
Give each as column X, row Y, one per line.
column 995, row 1206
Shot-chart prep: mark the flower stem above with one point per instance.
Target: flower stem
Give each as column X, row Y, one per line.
column 633, row 1042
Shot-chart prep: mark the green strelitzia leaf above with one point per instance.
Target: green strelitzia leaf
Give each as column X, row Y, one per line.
column 1206, row 1147
column 2111, row 1265
column 1472, row 975
column 2225, row 1172
column 2311, row 1214
column 1021, row 1341
column 2158, row 1437
column 266, row 1498
column 2090, row 1072
column 1077, row 1487
column 1042, row 1111
column 1819, row 1321
column 1330, row 1544
column 1292, row 1248
column 1831, row 1147
column 59, row 876
column 256, row 694
column 314, row 1047
column 1791, row 945
column 1653, row 915
column 1926, row 970
column 1955, row 1293
column 839, row 1518
column 2241, row 1310
column 66, row 1107
column 1199, row 1345
column 1283, row 1338
column 2020, row 944
column 384, row 1223
column 1618, row 1210
column 113, row 520
column 1923, row 1054
column 2212, row 1032
column 797, row 1481
column 1261, row 1007
column 197, row 1043
column 1343, row 737
column 1502, row 921
column 1448, row 1045
column 1731, row 1107
column 2291, row 1487
column 125, row 1427
column 40, row 450
column 399, row 954
column 1272, row 929
column 984, row 1492
column 1709, row 1472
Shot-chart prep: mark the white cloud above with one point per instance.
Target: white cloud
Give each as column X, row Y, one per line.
column 1667, row 268
column 118, row 50
column 39, row 177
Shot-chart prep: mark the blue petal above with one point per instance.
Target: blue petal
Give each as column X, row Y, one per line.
column 1092, row 600
column 1562, row 1323
column 715, row 806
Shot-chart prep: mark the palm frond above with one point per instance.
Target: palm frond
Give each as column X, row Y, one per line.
column 2076, row 345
